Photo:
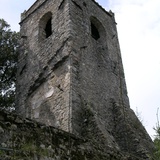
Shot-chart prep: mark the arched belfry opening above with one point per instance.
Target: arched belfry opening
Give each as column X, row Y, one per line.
column 45, row 26
column 97, row 29
column 48, row 28
column 94, row 32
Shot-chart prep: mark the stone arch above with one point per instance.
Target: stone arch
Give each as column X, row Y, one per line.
column 45, row 26
column 97, row 29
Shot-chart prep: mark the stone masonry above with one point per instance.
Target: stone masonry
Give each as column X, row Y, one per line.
column 70, row 75
column 25, row 139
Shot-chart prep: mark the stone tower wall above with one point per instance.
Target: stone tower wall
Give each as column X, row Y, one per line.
column 73, row 79
column 44, row 67
column 100, row 104
column 97, row 72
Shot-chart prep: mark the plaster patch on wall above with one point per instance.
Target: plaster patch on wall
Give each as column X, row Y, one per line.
column 67, row 76
column 36, row 101
column 44, row 92
column 36, row 114
column 49, row 93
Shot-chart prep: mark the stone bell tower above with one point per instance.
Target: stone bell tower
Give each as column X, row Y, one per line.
column 70, row 74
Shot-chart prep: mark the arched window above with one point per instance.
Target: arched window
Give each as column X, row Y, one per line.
column 94, row 32
column 45, row 26
column 48, row 28
column 97, row 29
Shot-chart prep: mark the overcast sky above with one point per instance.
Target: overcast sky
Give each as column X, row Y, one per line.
column 138, row 24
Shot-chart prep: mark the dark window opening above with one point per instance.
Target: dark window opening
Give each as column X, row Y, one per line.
column 48, row 28
column 84, row 4
column 94, row 32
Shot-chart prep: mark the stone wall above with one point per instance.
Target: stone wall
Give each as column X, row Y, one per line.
column 43, row 76
column 25, row 139
column 73, row 79
column 100, row 104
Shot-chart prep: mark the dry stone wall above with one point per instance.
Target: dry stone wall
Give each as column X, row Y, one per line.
column 25, row 139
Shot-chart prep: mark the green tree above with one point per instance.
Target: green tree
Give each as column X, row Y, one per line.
column 157, row 140
column 8, row 64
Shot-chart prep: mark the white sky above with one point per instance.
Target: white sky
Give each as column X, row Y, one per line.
column 139, row 36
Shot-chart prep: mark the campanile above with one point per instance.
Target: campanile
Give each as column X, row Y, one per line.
column 70, row 74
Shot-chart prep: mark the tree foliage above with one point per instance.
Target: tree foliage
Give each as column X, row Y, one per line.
column 157, row 140
column 8, row 64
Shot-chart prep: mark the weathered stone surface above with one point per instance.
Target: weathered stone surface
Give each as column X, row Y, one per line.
column 70, row 76
column 32, row 140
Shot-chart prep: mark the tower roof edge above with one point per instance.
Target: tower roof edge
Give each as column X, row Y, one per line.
column 109, row 13
column 32, row 9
